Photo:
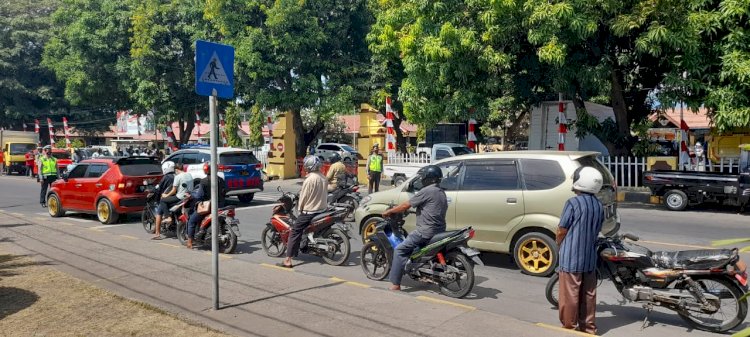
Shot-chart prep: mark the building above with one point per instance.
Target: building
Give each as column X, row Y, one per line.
column 544, row 127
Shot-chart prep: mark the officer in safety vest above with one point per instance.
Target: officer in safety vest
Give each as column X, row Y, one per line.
column 47, row 173
column 374, row 169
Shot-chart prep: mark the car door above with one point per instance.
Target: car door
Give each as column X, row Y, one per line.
column 92, row 184
column 490, row 199
column 70, row 191
column 451, row 177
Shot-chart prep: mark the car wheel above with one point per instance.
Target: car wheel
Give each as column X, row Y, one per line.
column 54, row 207
column 368, row 227
column 246, row 198
column 105, row 211
column 397, row 181
column 535, row 254
column 676, row 200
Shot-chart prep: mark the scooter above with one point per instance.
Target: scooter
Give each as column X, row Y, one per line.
column 347, row 193
column 446, row 261
column 229, row 230
column 148, row 216
column 327, row 235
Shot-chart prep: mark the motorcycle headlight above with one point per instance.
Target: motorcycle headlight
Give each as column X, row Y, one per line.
column 365, row 200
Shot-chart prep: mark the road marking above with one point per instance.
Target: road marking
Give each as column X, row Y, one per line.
column 17, row 214
column 351, row 283
column 109, row 226
column 557, row 328
column 42, row 213
column 253, row 207
column 675, row 244
column 95, row 229
column 169, row 245
column 435, row 300
column 223, row 256
column 276, row 267
column 80, row 220
column 129, row 237
column 40, row 219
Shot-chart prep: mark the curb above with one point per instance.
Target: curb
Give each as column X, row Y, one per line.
column 642, row 197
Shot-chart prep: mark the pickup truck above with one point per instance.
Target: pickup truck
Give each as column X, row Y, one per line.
column 680, row 189
column 403, row 171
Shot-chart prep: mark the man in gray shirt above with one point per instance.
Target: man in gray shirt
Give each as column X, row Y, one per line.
column 181, row 187
column 431, row 204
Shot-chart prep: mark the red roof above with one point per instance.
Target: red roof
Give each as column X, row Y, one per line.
column 352, row 123
column 694, row 120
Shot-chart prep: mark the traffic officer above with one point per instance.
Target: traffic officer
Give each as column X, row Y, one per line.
column 374, row 170
column 47, row 174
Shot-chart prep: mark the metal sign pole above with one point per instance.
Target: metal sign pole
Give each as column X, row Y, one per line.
column 214, row 199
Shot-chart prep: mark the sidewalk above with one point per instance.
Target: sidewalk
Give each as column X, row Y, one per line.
column 256, row 300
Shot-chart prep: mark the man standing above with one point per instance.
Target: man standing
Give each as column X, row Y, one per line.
column 181, row 188
column 29, row 157
column 580, row 224
column 374, row 170
column 432, row 205
column 312, row 201
column 47, row 173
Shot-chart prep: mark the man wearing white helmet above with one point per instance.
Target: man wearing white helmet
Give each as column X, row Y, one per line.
column 312, row 201
column 580, row 224
column 165, row 185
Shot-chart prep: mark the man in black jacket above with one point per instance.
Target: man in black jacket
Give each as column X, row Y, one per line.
column 203, row 193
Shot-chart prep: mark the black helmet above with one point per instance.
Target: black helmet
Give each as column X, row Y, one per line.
column 431, row 175
column 335, row 158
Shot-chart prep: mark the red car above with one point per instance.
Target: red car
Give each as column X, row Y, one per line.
column 63, row 159
column 106, row 187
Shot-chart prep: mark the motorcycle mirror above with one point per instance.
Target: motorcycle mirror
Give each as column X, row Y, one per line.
column 278, row 188
column 631, row 237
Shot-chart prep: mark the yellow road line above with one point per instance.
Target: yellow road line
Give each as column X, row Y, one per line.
column 557, row 328
column 351, row 283
column 435, row 300
column 169, row 245
column 223, row 256
column 675, row 244
column 276, row 267
column 129, row 237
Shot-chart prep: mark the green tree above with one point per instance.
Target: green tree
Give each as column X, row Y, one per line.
column 295, row 55
column 232, row 122
column 257, row 122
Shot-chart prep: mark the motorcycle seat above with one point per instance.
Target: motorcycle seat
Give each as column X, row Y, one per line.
column 441, row 236
column 321, row 216
column 227, row 207
column 693, row 259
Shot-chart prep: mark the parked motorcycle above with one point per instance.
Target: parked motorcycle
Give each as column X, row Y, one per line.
column 446, row 261
column 327, row 236
column 346, row 194
column 229, row 230
column 704, row 287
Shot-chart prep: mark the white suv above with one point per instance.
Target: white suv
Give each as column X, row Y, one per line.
column 326, row 150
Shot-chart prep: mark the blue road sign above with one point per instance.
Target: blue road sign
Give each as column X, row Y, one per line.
column 214, row 69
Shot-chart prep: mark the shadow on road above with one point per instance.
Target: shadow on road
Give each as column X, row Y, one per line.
column 13, row 225
column 15, row 300
column 247, row 247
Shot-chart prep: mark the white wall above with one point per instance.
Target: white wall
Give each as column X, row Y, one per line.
column 543, row 133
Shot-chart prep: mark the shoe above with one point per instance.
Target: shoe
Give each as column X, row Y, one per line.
column 201, row 233
column 44, row 205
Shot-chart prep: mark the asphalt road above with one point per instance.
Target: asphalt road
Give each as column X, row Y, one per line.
column 500, row 287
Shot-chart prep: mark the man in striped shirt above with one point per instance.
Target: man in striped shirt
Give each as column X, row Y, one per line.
column 580, row 224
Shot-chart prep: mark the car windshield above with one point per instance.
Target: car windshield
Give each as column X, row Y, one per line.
column 348, row 148
column 61, row 155
column 137, row 167
column 461, row 150
column 16, row 149
column 237, row 158
column 595, row 163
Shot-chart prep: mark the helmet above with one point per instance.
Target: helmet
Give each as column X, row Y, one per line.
column 335, row 158
column 48, row 147
column 207, row 168
column 587, row 179
column 167, row 167
column 431, row 175
column 312, row 164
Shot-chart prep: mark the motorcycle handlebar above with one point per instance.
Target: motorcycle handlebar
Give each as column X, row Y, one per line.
column 631, row 237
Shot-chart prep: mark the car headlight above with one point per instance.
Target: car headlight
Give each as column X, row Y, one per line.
column 365, row 200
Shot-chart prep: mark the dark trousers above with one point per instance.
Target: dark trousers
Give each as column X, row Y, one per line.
column 402, row 253
column 298, row 230
column 578, row 301
column 166, row 203
column 193, row 222
column 374, row 182
column 48, row 180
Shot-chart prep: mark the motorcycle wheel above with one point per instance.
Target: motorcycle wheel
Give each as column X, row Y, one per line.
column 351, row 202
column 552, row 291
column 182, row 233
column 271, row 242
column 372, row 259
column 148, row 219
column 464, row 280
column 230, row 244
column 342, row 248
column 731, row 311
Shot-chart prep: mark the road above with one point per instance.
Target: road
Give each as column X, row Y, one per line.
column 500, row 287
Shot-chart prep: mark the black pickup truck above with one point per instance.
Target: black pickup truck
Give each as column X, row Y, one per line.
column 680, row 189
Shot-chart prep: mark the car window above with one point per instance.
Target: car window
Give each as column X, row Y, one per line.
column 461, row 150
column 324, row 147
column 16, row 149
column 539, row 174
column 175, row 158
column 595, row 163
column 96, row 171
column 78, row 172
column 237, row 158
column 136, row 167
column 348, row 148
column 442, row 154
column 204, row 157
column 451, row 176
column 490, row 176
column 190, row 158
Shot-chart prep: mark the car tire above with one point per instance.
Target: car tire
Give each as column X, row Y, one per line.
column 246, row 198
column 535, row 254
column 397, row 181
column 675, row 200
column 368, row 227
column 105, row 212
column 54, row 207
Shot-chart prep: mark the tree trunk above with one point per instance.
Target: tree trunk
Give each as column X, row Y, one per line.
column 186, row 127
column 620, row 110
column 400, row 139
column 513, row 129
column 299, row 133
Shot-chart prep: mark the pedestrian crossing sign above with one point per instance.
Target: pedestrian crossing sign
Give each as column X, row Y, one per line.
column 214, row 69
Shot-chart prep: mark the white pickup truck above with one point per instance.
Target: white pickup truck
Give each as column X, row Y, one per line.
column 400, row 172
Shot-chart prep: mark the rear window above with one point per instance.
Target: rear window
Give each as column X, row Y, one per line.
column 136, row 167
column 237, row 158
column 539, row 174
column 348, row 148
column 460, row 150
column 595, row 163
column 16, row 149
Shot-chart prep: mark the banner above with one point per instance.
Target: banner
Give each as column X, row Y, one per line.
column 131, row 124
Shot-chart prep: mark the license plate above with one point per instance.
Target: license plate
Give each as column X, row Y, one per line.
column 742, row 278
column 244, row 173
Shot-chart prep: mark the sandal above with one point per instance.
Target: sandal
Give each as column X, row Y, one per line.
column 157, row 238
column 283, row 265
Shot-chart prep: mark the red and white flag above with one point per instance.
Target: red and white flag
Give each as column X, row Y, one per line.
column 198, row 126
column 563, row 124
column 171, row 140
column 65, row 130
column 222, row 130
column 472, row 137
column 36, row 129
column 51, row 132
column 684, row 150
column 390, row 134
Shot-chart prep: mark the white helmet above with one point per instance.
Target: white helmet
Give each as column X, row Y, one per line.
column 312, row 164
column 587, row 179
column 167, row 167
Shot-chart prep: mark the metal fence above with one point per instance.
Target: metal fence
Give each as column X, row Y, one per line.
column 407, row 158
column 628, row 171
column 262, row 157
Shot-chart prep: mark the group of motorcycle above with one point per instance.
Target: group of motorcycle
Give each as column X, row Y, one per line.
column 704, row 287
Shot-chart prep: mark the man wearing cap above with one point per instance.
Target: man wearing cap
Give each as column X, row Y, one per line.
column 374, row 169
column 47, row 173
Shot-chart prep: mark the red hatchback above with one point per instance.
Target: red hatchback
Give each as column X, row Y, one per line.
column 106, row 187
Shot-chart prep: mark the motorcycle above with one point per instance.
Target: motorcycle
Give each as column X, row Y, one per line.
column 229, row 230
column 702, row 286
column 148, row 216
column 327, row 235
column 347, row 193
column 445, row 261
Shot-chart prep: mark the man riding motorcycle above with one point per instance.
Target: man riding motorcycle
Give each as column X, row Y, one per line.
column 431, row 204
column 203, row 193
column 336, row 173
column 180, row 189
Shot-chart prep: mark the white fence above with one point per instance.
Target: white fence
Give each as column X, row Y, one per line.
column 262, row 157
column 407, row 158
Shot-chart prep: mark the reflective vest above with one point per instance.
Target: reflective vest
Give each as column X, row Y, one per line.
column 49, row 166
column 376, row 163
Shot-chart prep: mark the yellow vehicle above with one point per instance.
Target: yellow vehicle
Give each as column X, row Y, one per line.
column 15, row 145
column 513, row 200
column 726, row 146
